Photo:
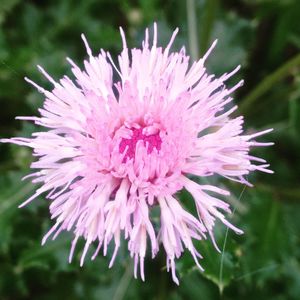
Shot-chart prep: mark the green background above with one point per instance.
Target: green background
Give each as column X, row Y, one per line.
column 261, row 35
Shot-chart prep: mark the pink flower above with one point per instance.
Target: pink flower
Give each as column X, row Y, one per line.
column 114, row 150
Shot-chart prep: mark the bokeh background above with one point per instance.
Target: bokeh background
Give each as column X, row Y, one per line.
column 261, row 35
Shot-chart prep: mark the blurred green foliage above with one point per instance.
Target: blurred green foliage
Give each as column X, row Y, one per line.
column 261, row 35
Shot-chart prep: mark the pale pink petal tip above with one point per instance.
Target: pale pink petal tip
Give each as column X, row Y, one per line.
column 113, row 150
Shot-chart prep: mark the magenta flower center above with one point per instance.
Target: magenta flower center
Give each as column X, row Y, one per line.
column 150, row 142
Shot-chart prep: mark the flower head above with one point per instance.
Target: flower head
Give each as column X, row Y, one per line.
column 114, row 150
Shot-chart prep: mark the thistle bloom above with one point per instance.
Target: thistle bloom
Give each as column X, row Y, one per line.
column 115, row 150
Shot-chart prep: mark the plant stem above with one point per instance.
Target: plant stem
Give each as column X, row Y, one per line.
column 250, row 100
column 124, row 283
column 207, row 24
column 192, row 29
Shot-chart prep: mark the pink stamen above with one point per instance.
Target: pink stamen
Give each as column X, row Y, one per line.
column 153, row 141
